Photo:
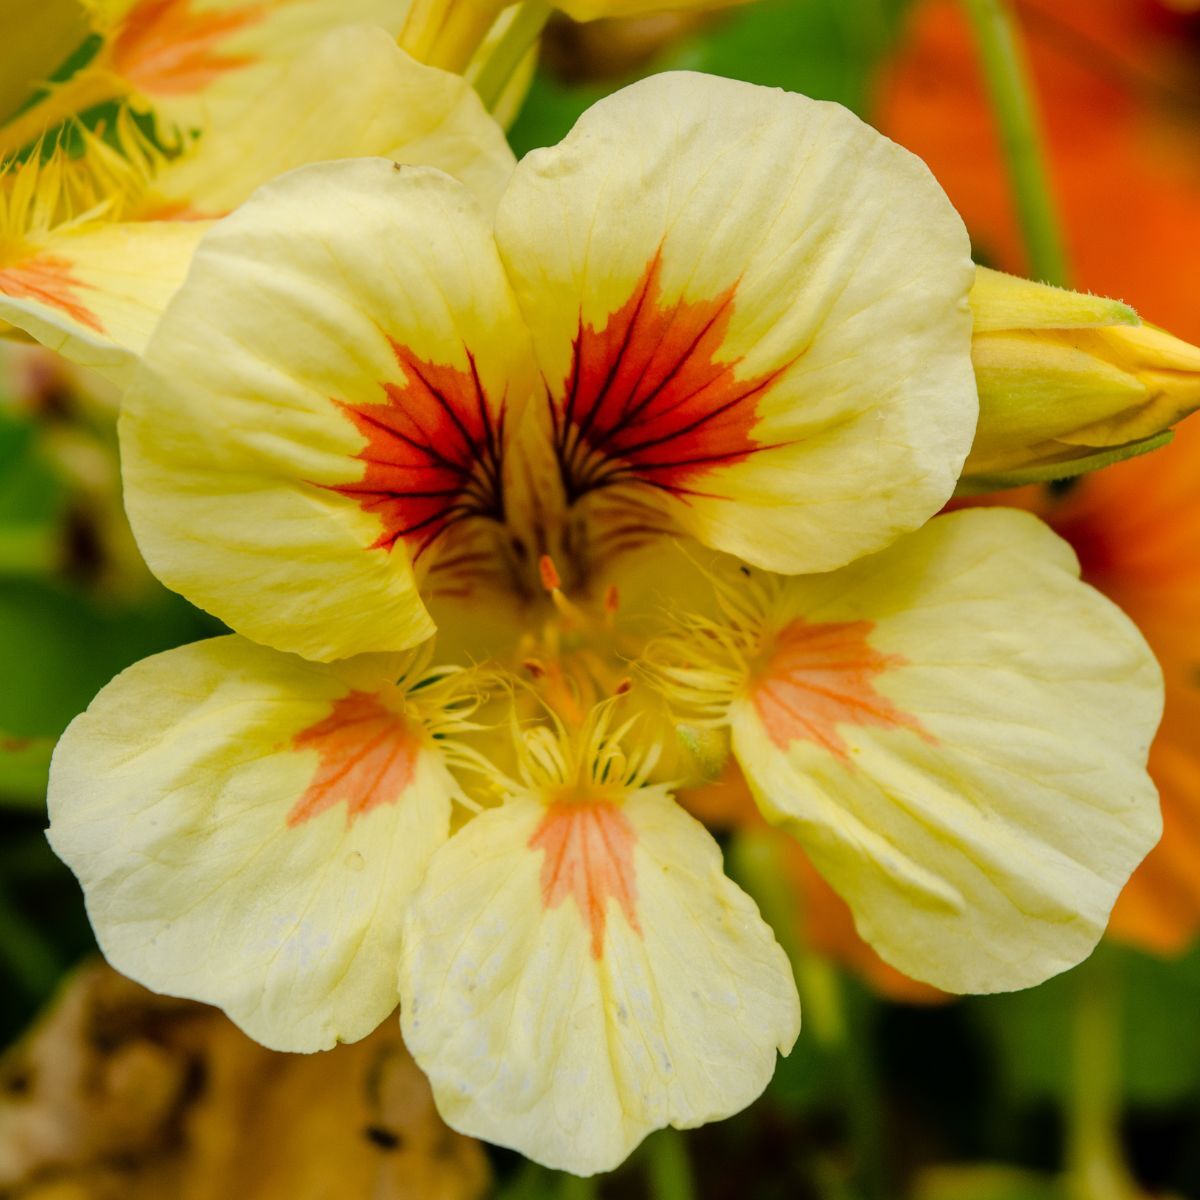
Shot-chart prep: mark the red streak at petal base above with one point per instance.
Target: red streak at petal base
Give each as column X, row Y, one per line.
column 165, row 48
column 49, row 280
column 647, row 399
column 432, row 453
column 367, row 757
column 820, row 677
column 588, row 857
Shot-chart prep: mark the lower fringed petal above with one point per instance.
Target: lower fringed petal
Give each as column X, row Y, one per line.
column 247, row 828
column 581, row 973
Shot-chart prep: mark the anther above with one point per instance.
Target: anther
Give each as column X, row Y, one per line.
column 549, row 572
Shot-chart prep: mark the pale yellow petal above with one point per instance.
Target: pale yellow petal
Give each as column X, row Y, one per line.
column 247, row 828
column 195, row 61
column 95, row 293
column 321, row 401
column 570, row 988
column 956, row 730
column 387, row 105
column 751, row 307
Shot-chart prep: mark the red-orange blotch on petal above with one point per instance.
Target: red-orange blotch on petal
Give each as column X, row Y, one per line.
column 648, row 399
column 820, row 677
column 433, row 452
column 588, row 850
column 367, row 757
column 168, row 48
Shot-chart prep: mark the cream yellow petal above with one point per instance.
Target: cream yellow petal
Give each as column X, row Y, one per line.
column 95, row 293
column 387, row 105
column 39, row 35
column 247, row 828
column 956, row 730
column 751, row 307
column 577, row 976
column 193, row 61
column 324, row 397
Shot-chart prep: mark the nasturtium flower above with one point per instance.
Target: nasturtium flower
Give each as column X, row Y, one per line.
column 182, row 62
column 91, row 249
column 648, row 454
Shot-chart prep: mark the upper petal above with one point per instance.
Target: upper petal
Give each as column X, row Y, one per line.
column 326, row 394
column 578, row 975
column 247, row 828
column 956, row 730
column 753, row 307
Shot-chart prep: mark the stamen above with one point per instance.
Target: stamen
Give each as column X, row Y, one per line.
column 551, row 580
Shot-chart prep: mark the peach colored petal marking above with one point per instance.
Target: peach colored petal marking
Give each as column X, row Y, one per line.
column 367, row 757
column 589, row 857
column 646, row 398
column 432, row 454
column 49, row 280
column 821, row 676
column 164, row 47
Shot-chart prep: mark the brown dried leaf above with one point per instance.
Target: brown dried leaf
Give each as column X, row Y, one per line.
column 119, row 1094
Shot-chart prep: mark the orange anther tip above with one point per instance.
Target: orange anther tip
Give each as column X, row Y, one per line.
column 549, row 573
column 535, row 668
column 612, row 599
column 624, row 686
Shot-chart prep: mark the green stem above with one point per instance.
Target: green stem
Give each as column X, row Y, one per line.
column 495, row 66
column 573, row 1187
column 1011, row 95
column 839, row 1024
column 668, row 1167
column 32, row 960
column 1094, row 1166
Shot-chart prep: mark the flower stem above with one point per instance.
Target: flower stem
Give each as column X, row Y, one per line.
column 494, row 67
column 838, row 1022
column 446, row 33
column 1095, row 1170
column 668, row 1168
column 1011, row 95
column 575, row 1187
column 32, row 960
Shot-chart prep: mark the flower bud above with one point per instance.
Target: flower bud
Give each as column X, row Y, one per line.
column 1068, row 383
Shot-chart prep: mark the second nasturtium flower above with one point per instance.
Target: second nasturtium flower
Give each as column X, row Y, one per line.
column 93, row 246
column 651, row 454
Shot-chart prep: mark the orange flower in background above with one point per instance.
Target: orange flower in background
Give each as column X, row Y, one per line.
column 1136, row 529
column 1117, row 83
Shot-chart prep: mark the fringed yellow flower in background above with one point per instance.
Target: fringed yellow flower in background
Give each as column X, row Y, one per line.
column 92, row 246
column 591, row 446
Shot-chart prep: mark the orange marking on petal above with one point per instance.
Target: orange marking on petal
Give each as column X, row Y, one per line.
column 821, row 676
column 588, row 857
column 49, row 280
column 647, row 399
column 164, row 47
column 432, row 454
column 367, row 757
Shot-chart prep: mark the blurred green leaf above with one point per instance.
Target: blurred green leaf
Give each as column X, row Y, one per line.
column 1160, row 1054
column 31, row 501
column 826, row 49
column 24, row 766
column 58, row 648
column 982, row 1182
